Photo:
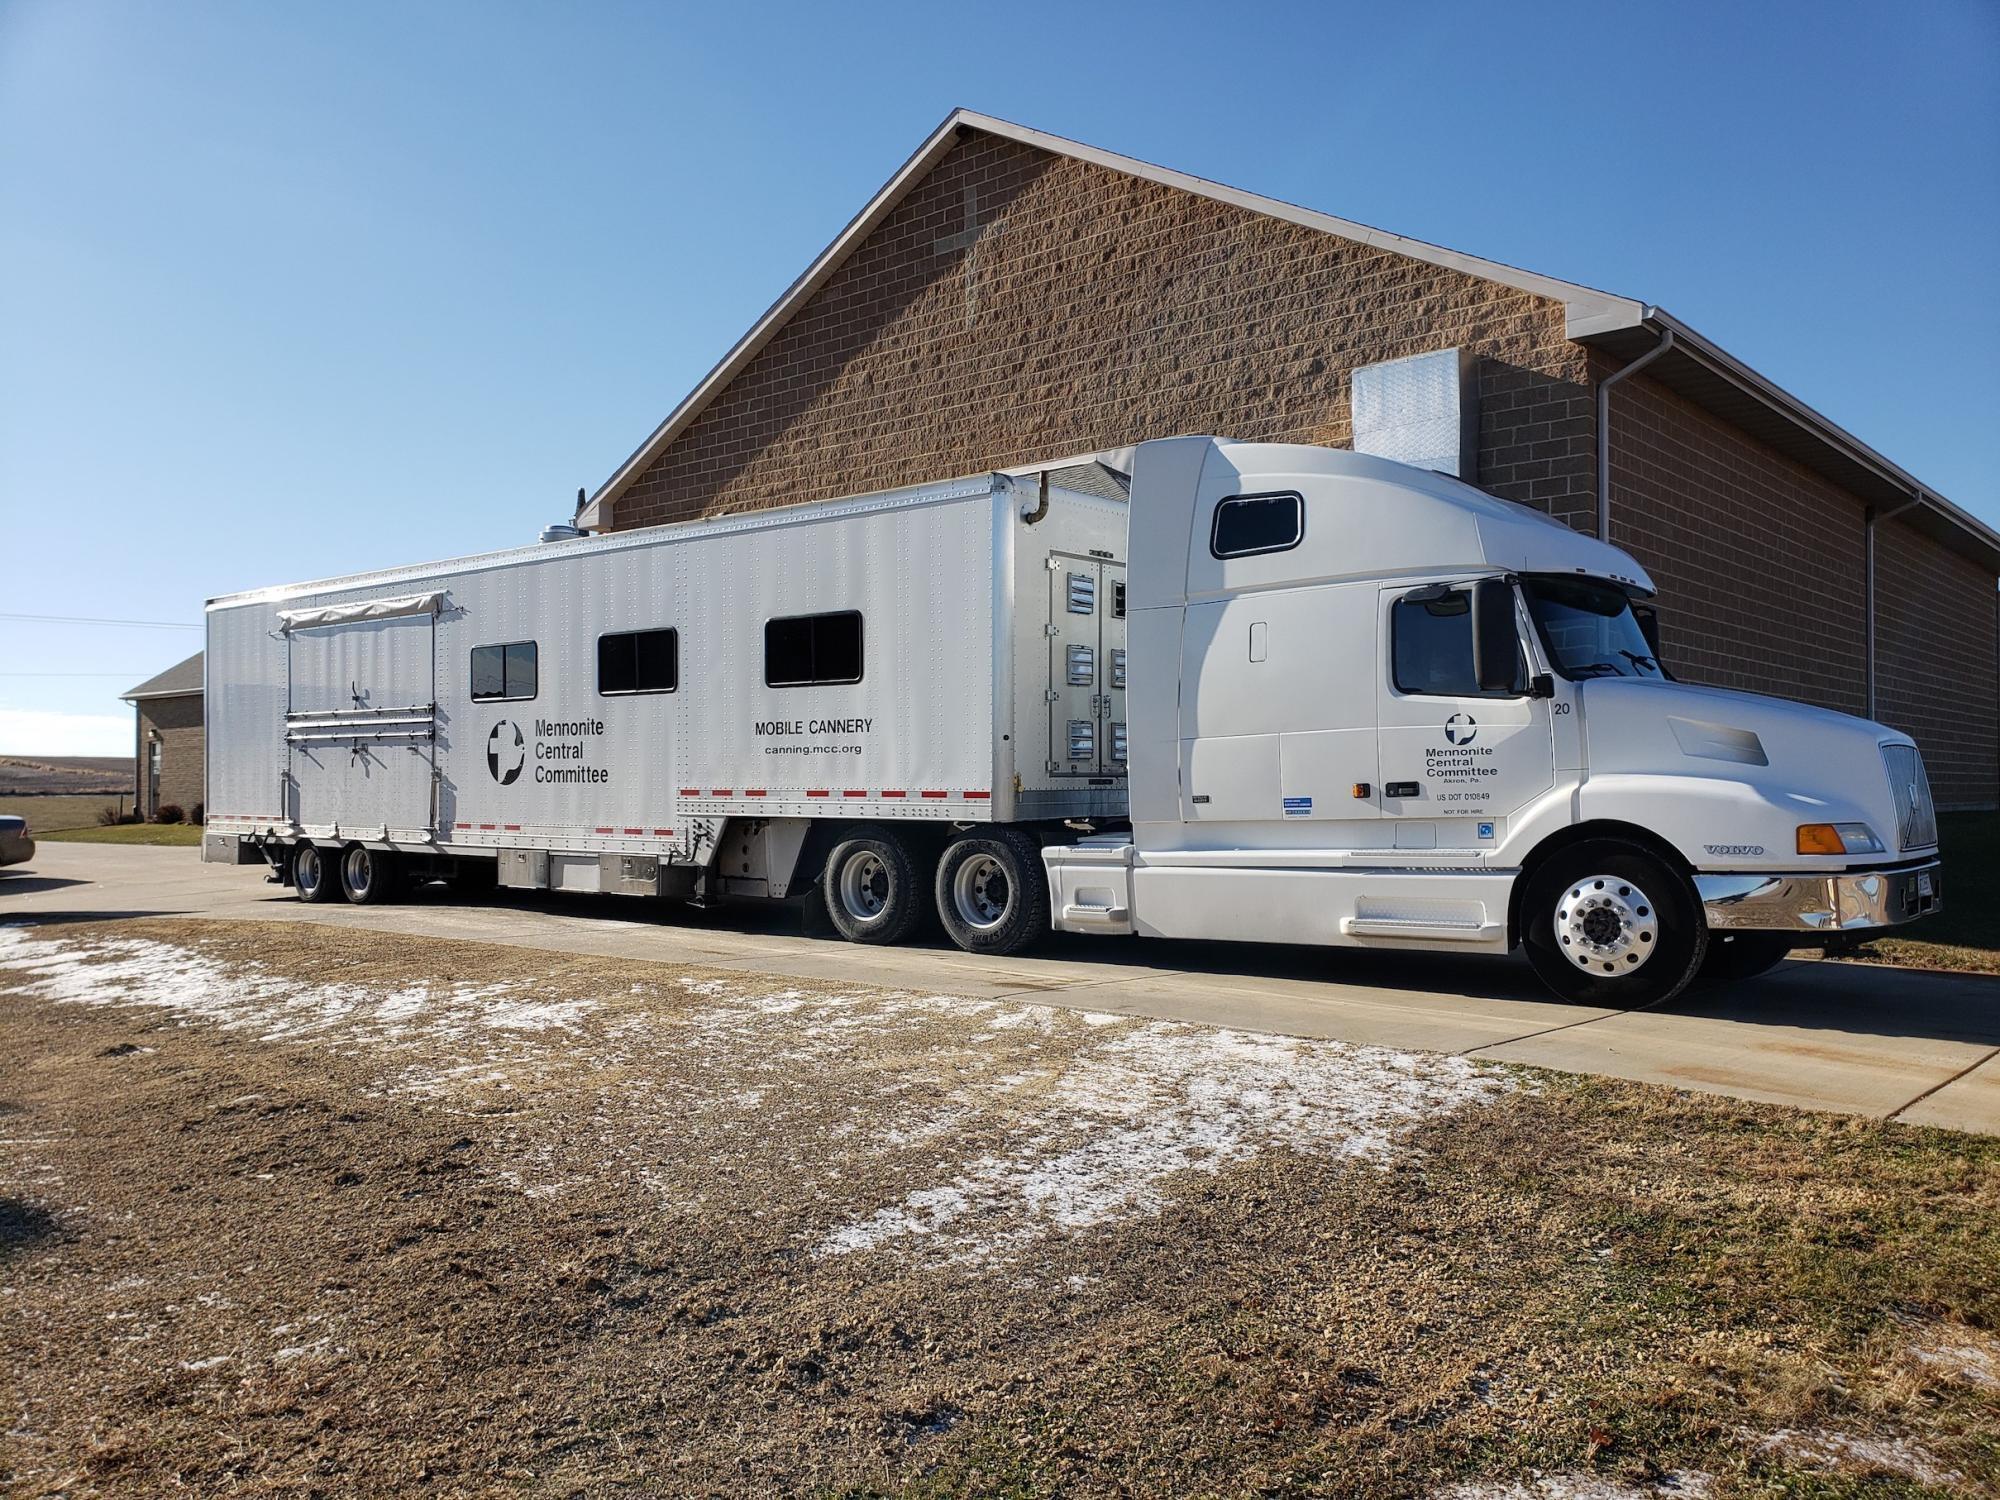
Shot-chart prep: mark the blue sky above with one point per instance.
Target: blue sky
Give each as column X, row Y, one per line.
column 290, row 290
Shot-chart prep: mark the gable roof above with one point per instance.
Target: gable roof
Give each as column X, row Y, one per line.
column 182, row 678
column 1623, row 326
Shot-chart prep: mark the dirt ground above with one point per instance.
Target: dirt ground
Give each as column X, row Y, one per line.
column 289, row 1210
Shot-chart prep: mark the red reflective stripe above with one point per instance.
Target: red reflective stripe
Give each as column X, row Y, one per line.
column 461, row 825
column 690, row 791
column 978, row 796
column 601, row 830
column 662, row 832
column 895, row 794
column 932, row 794
column 819, row 792
column 753, row 791
column 853, row 794
column 722, row 791
column 635, row 830
column 511, row 827
column 486, row 828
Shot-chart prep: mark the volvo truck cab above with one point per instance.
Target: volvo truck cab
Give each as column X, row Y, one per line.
column 1373, row 706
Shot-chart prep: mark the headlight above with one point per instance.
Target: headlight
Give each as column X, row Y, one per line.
column 1838, row 838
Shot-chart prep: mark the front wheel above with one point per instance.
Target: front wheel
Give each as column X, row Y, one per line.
column 1607, row 923
column 992, row 895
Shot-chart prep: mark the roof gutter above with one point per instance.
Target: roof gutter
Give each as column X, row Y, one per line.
column 1583, row 325
column 1604, row 428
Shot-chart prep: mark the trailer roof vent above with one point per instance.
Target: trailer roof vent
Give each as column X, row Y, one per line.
column 560, row 531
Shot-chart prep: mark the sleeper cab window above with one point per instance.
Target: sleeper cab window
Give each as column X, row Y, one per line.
column 639, row 661
column 806, row 650
column 503, row 672
column 1246, row 525
column 1431, row 642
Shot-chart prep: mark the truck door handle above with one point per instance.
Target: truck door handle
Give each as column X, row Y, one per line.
column 1401, row 789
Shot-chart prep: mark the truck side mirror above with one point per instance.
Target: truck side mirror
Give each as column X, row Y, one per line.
column 1648, row 616
column 1496, row 643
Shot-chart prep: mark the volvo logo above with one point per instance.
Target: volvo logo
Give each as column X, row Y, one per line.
column 1460, row 729
column 506, row 752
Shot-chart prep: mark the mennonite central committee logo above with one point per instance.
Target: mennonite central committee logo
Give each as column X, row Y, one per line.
column 1460, row 729
column 506, row 752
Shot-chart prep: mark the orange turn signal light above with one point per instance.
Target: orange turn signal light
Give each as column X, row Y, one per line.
column 1820, row 838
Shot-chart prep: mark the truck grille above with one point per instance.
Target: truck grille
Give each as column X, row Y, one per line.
column 1916, row 818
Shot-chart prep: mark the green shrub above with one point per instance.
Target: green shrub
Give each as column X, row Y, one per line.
column 169, row 812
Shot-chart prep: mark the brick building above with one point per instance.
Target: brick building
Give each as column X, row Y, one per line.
column 170, row 741
column 1011, row 298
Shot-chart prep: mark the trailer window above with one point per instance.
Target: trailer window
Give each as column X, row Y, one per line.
column 1432, row 648
column 639, row 661
column 504, row 671
column 1246, row 525
column 803, row 650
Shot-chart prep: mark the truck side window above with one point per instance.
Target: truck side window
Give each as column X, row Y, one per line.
column 1431, row 648
column 501, row 672
column 1246, row 525
column 639, row 661
column 802, row 650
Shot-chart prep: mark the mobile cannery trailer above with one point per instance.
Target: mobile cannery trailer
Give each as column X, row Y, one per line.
column 1323, row 698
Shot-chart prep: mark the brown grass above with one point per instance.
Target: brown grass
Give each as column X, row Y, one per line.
column 567, row 1272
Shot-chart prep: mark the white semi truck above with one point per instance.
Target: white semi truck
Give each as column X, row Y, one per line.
column 1278, row 693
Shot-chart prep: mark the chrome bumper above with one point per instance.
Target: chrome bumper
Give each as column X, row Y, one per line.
column 1822, row 903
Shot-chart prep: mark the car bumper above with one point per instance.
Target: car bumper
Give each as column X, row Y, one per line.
column 16, row 851
column 1822, row 903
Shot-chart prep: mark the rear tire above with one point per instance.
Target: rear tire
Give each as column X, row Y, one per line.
column 1607, row 923
column 872, row 890
column 312, row 873
column 368, row 876
column 992, row 894
column 1734, row 956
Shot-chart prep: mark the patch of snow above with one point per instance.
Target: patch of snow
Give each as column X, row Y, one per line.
column 1825, row 1448
column 206, row 1364
column 1676, row 1484
column 275, row 1008
column 1132, row 1110
column 1960, row 1352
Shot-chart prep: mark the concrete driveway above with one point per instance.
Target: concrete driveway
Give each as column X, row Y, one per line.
column 1893, row 1043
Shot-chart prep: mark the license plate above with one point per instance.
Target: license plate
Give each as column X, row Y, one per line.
column 1924, row 886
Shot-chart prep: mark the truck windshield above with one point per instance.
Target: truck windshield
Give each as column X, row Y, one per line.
column 1589, row 628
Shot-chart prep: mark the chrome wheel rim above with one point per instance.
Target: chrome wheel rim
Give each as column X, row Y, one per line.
column 980, row 892
column 360, row 871
column 1607, row 926
column 308, row 869
column 864, row 886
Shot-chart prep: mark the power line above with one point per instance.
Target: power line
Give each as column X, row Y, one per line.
column 94, row 620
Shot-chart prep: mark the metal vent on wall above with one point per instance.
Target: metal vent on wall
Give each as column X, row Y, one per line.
column 1422, row 411
column 1082, row 594
column 1082, row 668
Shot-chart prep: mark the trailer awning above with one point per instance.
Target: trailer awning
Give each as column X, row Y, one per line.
column 367, row 609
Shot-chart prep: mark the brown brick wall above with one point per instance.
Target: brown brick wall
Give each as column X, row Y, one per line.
column 183, row 748
column 1097, row 310
column 1937, row 676
column 1761, row 566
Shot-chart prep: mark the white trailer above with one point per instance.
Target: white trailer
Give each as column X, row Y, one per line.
column 1369, row 706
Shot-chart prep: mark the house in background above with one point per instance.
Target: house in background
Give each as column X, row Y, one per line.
column 170, row 745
